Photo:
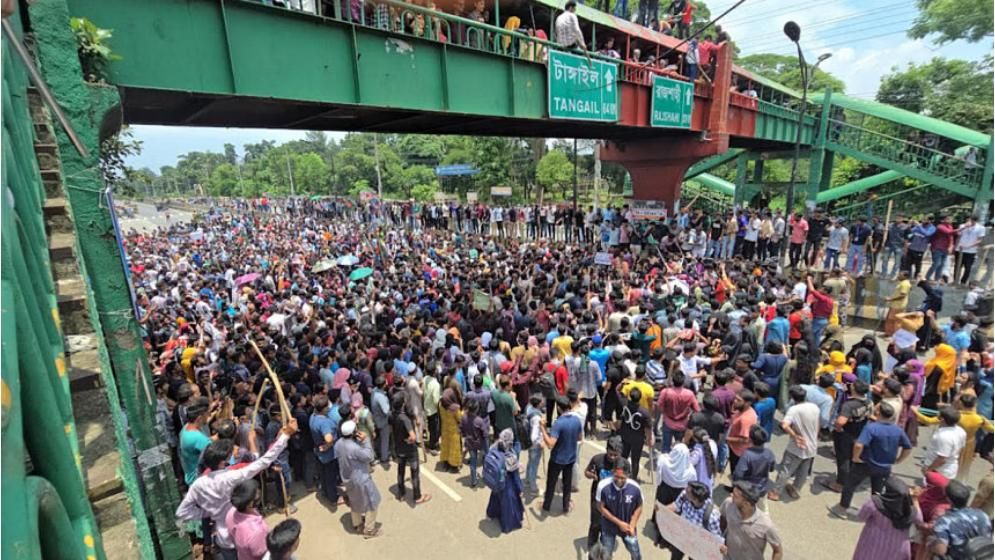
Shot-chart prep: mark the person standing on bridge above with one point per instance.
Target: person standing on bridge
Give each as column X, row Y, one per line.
column 568, row 33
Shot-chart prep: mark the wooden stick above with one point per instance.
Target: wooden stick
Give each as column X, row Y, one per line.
column 284, row 409
column 283, row 489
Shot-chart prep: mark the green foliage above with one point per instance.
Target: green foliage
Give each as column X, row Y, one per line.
column 957, row 91
column 424, row 192
column 555, row 172
column 359, row 187
column 94, row 52
column 784, row 69
column 113, row 153
column 953, row 20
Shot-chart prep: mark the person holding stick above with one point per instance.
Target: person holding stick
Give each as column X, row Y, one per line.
column 209, row 497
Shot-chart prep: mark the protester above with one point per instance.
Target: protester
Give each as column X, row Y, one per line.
column 887, row 518
column 620, row 502
column 505, row 503
column 355, row 455
column 748, row 531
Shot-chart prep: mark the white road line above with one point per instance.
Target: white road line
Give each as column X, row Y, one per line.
column 442, row 486
column 597, row 446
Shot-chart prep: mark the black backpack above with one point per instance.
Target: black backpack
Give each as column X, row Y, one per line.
column 976, row 548
column 523, row 431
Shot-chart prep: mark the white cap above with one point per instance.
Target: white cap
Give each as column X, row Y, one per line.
column 348, row 428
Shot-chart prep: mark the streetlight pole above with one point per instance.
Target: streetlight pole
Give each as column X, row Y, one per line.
column 575, row 175
column 793, row 31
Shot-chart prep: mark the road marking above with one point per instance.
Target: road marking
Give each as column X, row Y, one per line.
column 597, row 446
column 442, row 486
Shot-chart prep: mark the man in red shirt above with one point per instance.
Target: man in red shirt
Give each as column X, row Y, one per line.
column 799, row 231
column 821, row 306
column 795, row 318
column 743, row 418
column 941, row 245
column 675, row 404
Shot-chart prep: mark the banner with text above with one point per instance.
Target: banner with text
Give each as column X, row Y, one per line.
column 581, row 88
column 649, row 210
column 671, row 103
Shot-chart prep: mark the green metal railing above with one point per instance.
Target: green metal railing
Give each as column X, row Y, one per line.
column 902, row 152
column 46, row 510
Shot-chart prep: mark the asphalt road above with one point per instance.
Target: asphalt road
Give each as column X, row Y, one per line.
column 453, row 524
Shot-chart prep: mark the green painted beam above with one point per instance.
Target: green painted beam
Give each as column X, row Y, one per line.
column 858, row 186
column 719, row 185
column 124, row 365
column 712, row 162
column 909, row 171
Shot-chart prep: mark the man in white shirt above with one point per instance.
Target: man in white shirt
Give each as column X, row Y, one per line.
column 970, row 236
column 801, row 422
column 568, row 33
column 943, row 452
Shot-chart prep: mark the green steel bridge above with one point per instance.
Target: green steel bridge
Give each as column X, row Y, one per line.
column 240, row 63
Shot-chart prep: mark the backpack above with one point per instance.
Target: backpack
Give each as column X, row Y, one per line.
column 495, row 473
column 523, row 430
column 977, row 548
column 547, row 382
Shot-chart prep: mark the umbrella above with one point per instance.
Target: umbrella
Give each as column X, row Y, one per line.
column 347, row 260
column 360, row 273
column 323, row 265
column 247, row 278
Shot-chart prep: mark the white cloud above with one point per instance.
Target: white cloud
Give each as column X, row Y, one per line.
column 162, row 145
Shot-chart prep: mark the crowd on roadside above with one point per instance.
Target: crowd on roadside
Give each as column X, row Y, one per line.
column 395, row 331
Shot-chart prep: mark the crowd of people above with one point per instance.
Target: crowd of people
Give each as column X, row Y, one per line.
column 311, row 340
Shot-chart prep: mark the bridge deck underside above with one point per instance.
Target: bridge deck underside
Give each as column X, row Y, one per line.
column 166, row 107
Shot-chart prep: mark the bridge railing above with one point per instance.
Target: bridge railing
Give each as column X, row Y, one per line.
column 787, row 113
column 936, row 162
column 395, row 16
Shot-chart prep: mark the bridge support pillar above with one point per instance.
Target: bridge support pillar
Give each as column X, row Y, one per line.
column 657, row 165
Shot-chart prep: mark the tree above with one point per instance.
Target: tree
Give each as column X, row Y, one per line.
column 554, row 171
column 113, row 152
column 224, row 181
column 953, row 20
column 784, row 69
column 425, row 192
column 957, row 91
column 231, row 156
column 310, row 173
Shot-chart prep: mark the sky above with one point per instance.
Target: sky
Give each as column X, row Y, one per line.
column 866, row 39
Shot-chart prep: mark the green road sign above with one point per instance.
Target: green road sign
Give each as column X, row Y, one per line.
column 671, row 103
column 582, row 89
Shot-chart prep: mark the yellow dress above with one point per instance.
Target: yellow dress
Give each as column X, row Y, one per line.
column 451, row 445
column 837, row 366
column 971, row 422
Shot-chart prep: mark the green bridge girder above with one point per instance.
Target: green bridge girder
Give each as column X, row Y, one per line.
column 238, row 62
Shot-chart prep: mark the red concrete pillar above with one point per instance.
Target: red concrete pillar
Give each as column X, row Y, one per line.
column 657, row 165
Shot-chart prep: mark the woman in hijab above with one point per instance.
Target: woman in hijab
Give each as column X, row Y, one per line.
column 340, row 392
column 673, row 473
column 506, row 504
column 887, row 518
column 836, row 366
column 933, row 503
column 451, row 453
column 941, row 372
column 863, row 365
column 868, row 343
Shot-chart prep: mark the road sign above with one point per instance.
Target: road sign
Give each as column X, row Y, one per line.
column 456, row 170
column 671, row 103
column 582, row 89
